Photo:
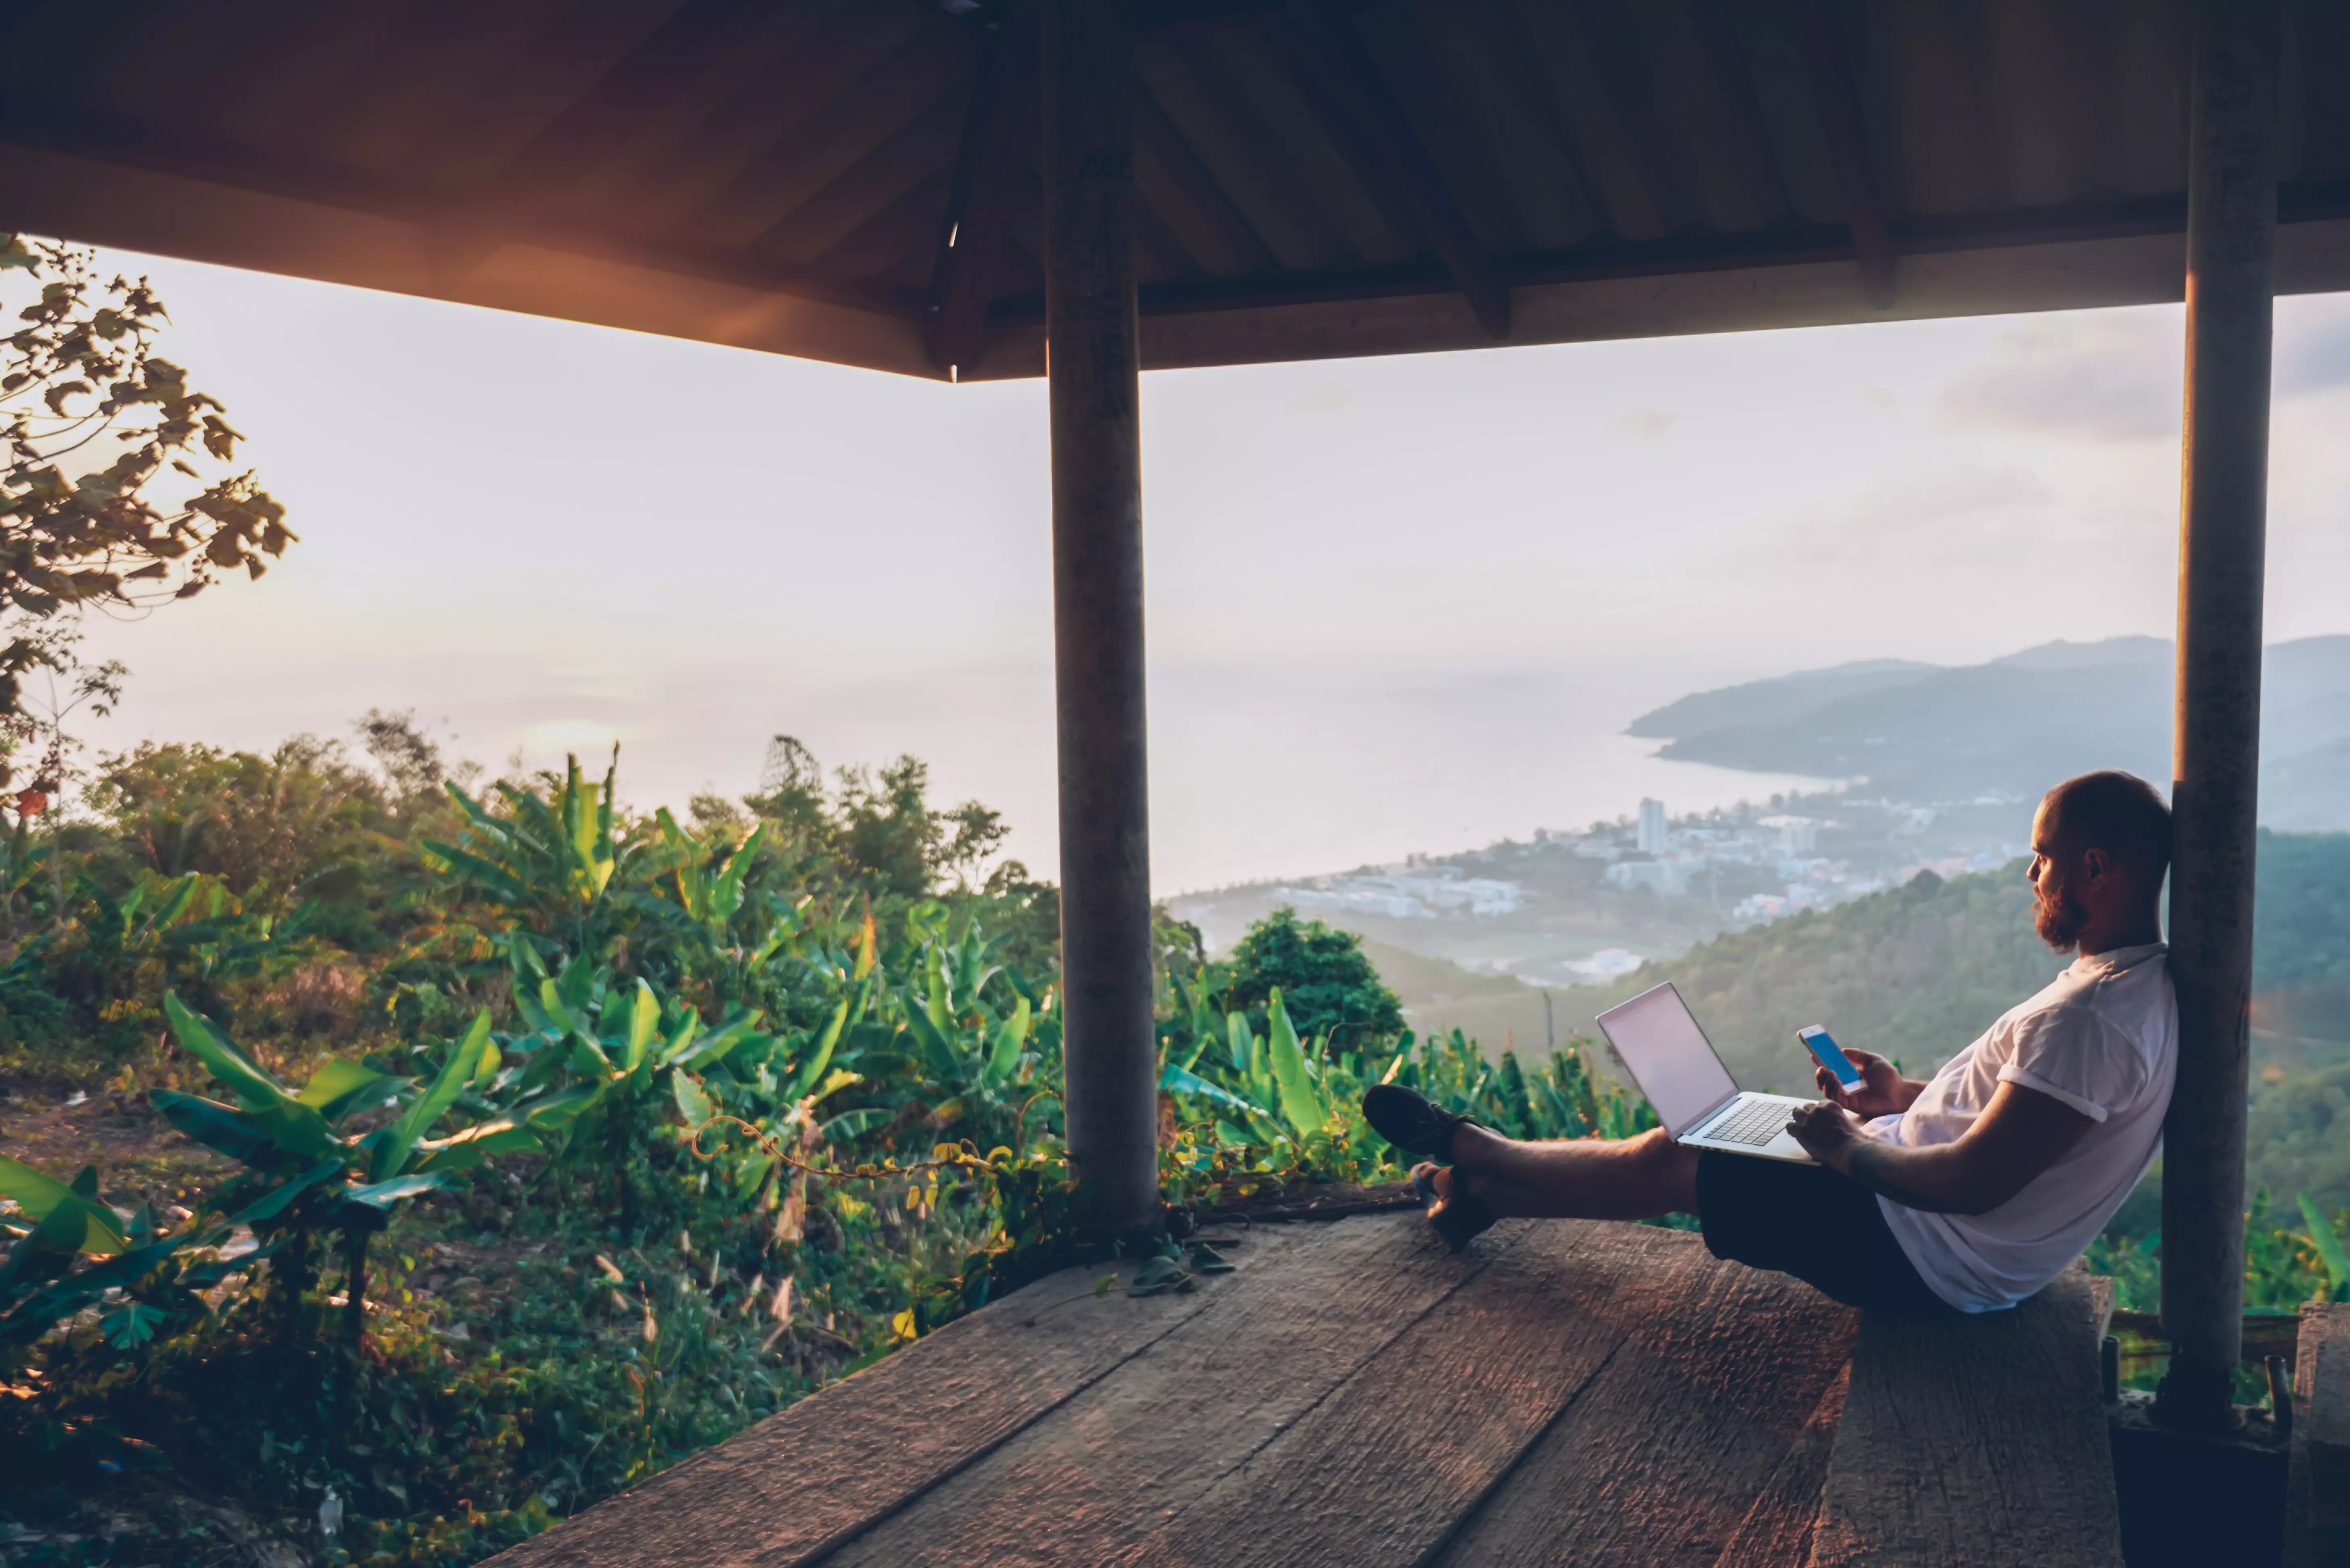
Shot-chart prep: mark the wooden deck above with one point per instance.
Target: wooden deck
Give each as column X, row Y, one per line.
column 1565, row 1393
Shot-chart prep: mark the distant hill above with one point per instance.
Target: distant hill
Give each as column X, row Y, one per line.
column 2014, row 725
column 1917, row 971
column 1778, row 700
column 1914, row 972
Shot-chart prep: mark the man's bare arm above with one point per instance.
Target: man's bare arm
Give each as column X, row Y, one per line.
column 2021, row 1134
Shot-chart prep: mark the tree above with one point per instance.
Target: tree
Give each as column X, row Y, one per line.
column 880, row 829
column 1324, row 980
column 103, row 497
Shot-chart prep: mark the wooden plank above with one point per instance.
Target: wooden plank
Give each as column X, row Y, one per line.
column 1777, row 1530
column 1383, row 1471
column 1663, row 1457
column 1189, row 84
column 1107, row 1469
column 802, row 1481
column 1356, row 106
column 856, row 117
column 814, row 52
column 1324, row 1200
column 2317, row 1490
column 1973, row 1441
column 1836, row 92
column 1002, row 129
column 1184, row 197
column 921, row 150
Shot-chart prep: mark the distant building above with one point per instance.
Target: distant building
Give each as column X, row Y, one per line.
column 1652, row 827
column 1408, row 897
column 1606, row 964
column 1670, row 878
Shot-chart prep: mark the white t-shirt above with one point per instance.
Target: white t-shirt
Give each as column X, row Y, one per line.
column 2104, row 1039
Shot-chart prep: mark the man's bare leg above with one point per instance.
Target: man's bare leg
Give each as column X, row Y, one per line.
column 1587, row 1178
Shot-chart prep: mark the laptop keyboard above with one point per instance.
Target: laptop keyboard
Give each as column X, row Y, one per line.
column 1757, row 1123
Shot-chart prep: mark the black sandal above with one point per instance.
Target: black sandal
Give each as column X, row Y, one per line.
column 1412, row 1121
column 1465, row 1216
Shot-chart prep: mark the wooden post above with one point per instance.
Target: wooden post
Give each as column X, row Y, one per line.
column 1093, row 361
column 2230, row 285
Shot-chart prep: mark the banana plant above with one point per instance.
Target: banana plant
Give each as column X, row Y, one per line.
column 726, row 936
column 600, row 1056
column 320, row 1178
column 143, row 1279
column 2328, row 1247
column 562, row 859
column 979, row 1054
column 227, row 942
column 1271, row 1083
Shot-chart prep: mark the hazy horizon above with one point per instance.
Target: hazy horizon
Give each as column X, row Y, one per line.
column 1395, row 603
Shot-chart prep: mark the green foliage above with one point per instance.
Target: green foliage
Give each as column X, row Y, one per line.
column 726, row 1109
column 1331, row 989
column 1914, row 973
column 549, row 863
column 102, row 499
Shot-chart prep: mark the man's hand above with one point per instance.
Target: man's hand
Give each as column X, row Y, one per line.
column 1826, row 1133
column 1882, row 1091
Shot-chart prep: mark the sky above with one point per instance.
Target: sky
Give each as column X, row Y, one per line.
column 1394, row 605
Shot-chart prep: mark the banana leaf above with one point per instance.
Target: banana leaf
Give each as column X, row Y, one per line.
column 855, row 1124
column 692, row 1104
column 1009, row 1036
column 726, row 892
column 1183, row 1081
column 237, row 1134
column 486, row 1141
column 393, row 1144
column 345, row 1088
column 2328, row 1245
column 945, row 1061
column 43, row 1309
column 805, row 1077
column 40, row 1196
column 382, row 1195
column 1241, row 1044
column 254, row 1088
column 561, row 1109
column 644, row 1020
column 1301, row 1097
column 278, row 1199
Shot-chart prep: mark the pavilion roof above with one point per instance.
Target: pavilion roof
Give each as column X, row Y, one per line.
column 857, row 181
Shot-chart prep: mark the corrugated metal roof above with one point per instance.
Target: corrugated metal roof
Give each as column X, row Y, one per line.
column 1316, row 176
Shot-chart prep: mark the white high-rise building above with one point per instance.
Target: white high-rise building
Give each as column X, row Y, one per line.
column 1652, row 827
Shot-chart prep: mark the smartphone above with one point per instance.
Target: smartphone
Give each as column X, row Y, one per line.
column 1826, row 1051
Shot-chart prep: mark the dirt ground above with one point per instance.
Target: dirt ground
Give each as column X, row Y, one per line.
column 138, row 1154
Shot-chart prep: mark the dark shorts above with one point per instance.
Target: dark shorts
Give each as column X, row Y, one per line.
column 1806, row 1220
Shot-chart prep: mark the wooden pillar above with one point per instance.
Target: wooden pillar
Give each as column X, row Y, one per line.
column 2231, row 283
column 1092, row 359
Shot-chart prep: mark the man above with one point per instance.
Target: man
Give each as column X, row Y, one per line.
column 1966, row 1192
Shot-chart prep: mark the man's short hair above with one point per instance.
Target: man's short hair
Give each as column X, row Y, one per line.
column 2118, row 812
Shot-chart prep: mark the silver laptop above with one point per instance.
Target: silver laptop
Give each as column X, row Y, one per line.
column 1682, row 1075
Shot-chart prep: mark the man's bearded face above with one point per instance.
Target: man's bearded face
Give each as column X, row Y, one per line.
column 2058, row 917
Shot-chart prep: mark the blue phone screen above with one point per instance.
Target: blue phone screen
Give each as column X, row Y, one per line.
column 1823, row 1045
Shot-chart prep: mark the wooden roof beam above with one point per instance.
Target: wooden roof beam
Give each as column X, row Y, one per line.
column 1345, row 87
column 618, row 108
column 1001, row 122
column 106, row 140
column 1836, row 92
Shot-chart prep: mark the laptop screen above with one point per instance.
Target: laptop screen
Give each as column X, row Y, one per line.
column 1668, row 1056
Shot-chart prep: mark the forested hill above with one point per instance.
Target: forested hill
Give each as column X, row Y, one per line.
column 2015, row 725
column 1916, row 972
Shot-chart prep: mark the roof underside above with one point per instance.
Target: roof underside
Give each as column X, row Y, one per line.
column 857, row 180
